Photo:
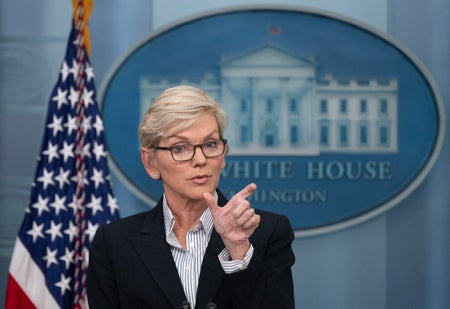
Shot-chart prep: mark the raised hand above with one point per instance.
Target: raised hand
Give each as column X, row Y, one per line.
column 235, row 222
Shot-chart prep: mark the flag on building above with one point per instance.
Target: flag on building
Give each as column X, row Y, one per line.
column 273, row 30
column 71, row 194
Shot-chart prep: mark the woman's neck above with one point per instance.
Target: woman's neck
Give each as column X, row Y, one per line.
column 187, row 216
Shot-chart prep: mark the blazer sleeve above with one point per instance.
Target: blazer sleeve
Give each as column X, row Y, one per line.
column 101, row 286
column 267, row 282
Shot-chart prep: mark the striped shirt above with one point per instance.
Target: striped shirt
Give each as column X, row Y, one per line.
column 189, row 260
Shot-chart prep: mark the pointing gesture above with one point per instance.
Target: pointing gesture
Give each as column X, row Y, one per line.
column 235, row 222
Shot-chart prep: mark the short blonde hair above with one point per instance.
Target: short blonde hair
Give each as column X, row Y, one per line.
column 174, row 110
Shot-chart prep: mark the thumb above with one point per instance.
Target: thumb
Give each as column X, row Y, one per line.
column 210, row 202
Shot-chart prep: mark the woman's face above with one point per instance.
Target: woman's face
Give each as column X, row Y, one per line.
column 187, row 181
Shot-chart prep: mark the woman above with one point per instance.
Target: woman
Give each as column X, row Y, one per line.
column 194, row 247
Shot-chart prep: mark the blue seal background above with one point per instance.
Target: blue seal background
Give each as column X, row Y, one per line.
column 343, row 48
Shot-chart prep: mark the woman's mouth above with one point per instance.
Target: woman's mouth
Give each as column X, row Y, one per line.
column 201, row 179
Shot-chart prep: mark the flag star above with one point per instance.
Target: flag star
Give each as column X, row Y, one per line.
column 74, row 97
column 64, row 71
column 88, row 97
column 60, row 97
column 41, row 205
column 74, row 69
column 71, row 124
column 97, row 177
column 58, row 204
column 73, row 204
column 99, row 151
column 51, row 152
column 67, row 151
column 90, row 231
column 89, row 72
column 46, row 178
column 50, row 257
column 95, row 204
column 67, row 257
column 54, row 230
column 86, row 124
column 112, row 203
column 63, row 284
column 36, row 231
column 56, row 125
column 63, row 177
column 72, row 231
column 98, row 125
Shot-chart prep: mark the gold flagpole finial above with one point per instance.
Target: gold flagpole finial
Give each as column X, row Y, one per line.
column 82, row 10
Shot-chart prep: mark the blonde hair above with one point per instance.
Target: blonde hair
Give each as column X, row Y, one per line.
column 176, row 109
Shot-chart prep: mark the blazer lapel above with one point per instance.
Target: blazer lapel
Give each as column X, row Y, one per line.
column 211, row 275
column 155, row 254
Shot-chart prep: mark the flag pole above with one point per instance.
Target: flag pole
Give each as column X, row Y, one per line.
column 80, row 15
column 82, row 10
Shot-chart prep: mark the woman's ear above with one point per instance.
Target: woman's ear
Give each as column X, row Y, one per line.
column 147, row 160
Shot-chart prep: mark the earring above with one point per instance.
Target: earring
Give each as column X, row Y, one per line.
column 155, row 174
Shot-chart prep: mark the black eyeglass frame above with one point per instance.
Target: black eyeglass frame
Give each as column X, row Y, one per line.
column 170, row 149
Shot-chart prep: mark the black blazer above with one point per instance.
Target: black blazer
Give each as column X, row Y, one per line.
column 131, row 266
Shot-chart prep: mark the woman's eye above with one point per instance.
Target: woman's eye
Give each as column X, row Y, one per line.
column 179, row 148
column 211, row 144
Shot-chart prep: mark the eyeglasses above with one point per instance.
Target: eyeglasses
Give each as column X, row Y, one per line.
column 184, row 152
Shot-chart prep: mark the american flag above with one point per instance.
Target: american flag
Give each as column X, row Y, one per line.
column 71, row 194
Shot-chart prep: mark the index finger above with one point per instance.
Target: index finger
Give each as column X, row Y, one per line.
column 247, row 191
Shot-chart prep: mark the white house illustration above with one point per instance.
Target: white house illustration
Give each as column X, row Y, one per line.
column 277, row 105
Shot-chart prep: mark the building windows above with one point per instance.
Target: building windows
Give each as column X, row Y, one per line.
column 244, row 139
column 363, row 133
column 269, row 105
column 293, row 134
column 324, row 120
column 293, row 106
column 323, row 107
column 383, row 137
column 324, row 133
column 343, row 108
column 363, row 107
column 270, row 140
column 383, row 107
column 343, row 131
column 244, row 106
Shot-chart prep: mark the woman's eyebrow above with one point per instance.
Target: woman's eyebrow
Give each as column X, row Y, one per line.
column 183, row 138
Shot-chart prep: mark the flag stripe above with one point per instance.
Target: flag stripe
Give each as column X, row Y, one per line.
column 29, row 282
column 20, row 299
